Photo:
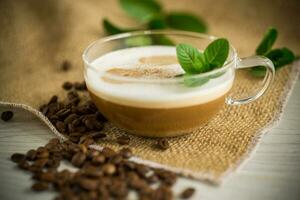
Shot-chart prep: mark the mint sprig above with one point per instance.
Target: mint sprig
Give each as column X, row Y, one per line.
column 280, row 56
column 152, row 16
column 194, row 62
column 142, row 10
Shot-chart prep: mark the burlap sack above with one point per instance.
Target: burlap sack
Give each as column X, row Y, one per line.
column 36, row 36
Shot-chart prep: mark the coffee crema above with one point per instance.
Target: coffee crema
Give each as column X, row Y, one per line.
column 125, row 85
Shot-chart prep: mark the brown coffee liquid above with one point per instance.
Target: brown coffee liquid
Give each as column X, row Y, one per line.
column 158, row 122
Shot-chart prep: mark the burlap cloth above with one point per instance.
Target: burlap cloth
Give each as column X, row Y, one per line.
column 35, row 36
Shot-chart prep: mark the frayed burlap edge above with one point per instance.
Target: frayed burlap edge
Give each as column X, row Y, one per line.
column 205, row 177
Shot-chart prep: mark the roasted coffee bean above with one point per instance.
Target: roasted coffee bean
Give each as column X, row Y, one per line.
column 18, row 157
column 100, row 117
column 63, row 113
column 42, row 154
column 70, row 118
column 92, row 172
column 67, row 85
column 40, row 186
column 72, row 94
column 78, row 159
column 125, row 152
column 61, row 127
column 97, row 160
column 123, row 140
column 97, row 135
column 109, row 169
column 45, row 176
column 187, row 193
column 108, row 152
column 24, row 165
column 7, row 115
column 163, row 193
column 31, row 155
column 66, row 65
column 80, row 86
column 53, row 100
column 88, row 184
column 163, row 144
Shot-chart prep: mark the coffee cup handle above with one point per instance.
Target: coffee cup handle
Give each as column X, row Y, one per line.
column 254, row 61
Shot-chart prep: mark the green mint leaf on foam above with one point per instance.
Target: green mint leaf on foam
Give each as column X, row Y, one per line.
column 280, row 56
column 194, row 62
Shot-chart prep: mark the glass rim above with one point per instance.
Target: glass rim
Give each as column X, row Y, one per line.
column 159, row 32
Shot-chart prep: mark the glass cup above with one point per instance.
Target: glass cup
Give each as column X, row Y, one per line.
column 168, row 106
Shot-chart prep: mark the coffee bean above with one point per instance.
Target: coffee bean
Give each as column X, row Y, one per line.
column 88, row 184
column 53, row 100
column 61, row 127
column 125, row 152
column 67, row 85
column 40, row 186
column 108, row 152
column 123, row 140
column 7, row 115
column 78, row 159
column 80, row 86
column 45, row 176
column 163, row 144
column 99, row 159
column 31, row 155
column 187, row 193
column 24, row 165
column 109, row 169
column 70, row 118
column 18, row 157
column 66, row 65
column 63, row 113
column 43, row 154
column 163, row 192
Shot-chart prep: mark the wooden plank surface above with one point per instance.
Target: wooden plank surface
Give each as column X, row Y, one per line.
column 273, row 172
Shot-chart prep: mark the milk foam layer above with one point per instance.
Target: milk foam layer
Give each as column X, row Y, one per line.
column 150, row 95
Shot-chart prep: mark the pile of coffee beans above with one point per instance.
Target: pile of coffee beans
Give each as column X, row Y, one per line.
column 80, row 120
column 104, row 174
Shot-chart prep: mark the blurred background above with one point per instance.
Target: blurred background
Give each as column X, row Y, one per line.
column 37, row 36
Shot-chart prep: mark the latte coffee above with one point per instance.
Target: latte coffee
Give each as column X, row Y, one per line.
column 137, row 89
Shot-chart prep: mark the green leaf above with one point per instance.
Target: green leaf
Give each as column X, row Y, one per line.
column 162, row 40
column 111, row 29
column 190, row 59
column 192, row 81
column 157, row 23
column 267, row 42
column 138, row 41
column 186, row 21
column 142, row 10
column 258, row 71
column 216, row 53
column 281, row 57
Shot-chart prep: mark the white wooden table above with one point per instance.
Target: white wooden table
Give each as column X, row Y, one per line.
column 272, row 173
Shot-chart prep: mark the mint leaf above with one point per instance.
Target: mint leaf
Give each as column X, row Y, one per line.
column 216, row 53
column 162, row 40
column 157, row 23
column 191, row 81
column 258, row 71
column 267, row 42
column 281, row 57
column 142, row 10
column 186, row 21
column 112, row 29
column 138, row 41
column 190, row 59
